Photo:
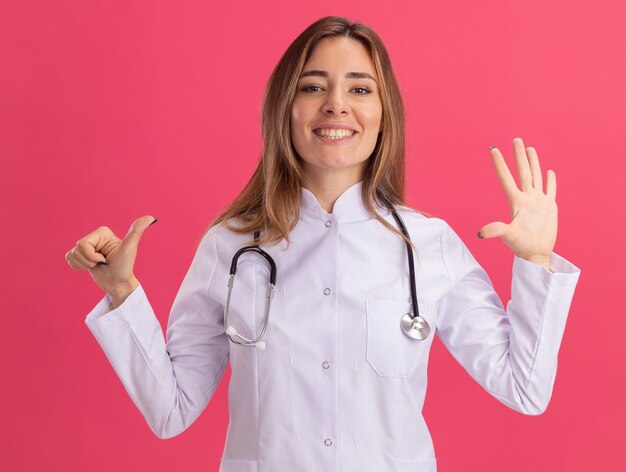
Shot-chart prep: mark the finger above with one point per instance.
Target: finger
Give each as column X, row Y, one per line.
column 523, row 168
column 493, row 230
column 551, row 185
column 78, row 261
column 71, row 260
column 136, row 230
column 535, row 168
column 504, row 174
column 88, row 252
column 98, row 239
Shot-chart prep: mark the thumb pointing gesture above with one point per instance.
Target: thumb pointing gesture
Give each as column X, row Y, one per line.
column 131, row 240
column 108, row 259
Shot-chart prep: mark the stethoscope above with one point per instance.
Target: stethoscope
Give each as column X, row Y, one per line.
column 412, row 324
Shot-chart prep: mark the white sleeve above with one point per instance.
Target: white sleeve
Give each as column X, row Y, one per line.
column 512, row 353
column 170, row 382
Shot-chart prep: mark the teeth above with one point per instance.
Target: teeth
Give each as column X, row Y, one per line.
column 334, row 133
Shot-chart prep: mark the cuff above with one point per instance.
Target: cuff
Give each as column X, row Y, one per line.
column 562, row 269
column 102, row 312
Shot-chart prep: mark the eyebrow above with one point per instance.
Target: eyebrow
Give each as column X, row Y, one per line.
column 349, row 75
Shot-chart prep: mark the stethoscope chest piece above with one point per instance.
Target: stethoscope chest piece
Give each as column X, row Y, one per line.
column 415, row 327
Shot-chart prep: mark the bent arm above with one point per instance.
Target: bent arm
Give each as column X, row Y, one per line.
column 511, row 353
column 172, row 381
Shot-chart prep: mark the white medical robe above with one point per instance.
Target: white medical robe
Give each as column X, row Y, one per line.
column 339, row 387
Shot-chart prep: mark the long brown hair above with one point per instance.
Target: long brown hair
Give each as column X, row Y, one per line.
column 270, row 201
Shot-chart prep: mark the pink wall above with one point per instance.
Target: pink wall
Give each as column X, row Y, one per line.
column 113, row 110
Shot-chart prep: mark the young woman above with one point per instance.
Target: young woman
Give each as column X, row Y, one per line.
column 328, row 319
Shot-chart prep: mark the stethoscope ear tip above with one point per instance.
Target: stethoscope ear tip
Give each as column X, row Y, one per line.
column 260, row 345
column 231, row 331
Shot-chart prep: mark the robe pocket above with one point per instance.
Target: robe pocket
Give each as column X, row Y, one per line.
column 389, row 351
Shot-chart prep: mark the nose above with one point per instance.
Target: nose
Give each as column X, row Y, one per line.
column 335, row 104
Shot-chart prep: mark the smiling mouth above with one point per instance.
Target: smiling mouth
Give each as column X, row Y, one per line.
column 334, row 133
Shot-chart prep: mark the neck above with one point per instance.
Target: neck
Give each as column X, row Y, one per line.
column 328, row 186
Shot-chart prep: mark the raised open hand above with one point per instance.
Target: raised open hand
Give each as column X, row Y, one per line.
column 531, row 234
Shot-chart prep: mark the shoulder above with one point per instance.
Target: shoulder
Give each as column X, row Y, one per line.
column 438, row 235
column 224, row 237
column 433, row 228
column 421, row 220
column 218, row 234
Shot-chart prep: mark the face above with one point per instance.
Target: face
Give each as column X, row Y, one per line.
column 337, row 111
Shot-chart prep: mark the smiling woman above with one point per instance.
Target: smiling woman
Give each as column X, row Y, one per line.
column 338, row 381
column 336, row 75
column 336, row 116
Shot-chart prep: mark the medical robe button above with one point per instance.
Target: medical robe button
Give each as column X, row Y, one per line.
column 328, row 223
column 326, row 291
column 325, row 364
column 328, row 442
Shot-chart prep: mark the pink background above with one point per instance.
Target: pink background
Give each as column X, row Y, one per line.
column 114, row 110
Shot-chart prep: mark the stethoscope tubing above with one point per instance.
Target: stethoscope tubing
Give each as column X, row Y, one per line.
column 413, row 325
column 409, row 249
column 230, row 331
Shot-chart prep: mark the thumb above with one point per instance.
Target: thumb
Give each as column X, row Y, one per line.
column 131, row 240
column 492, row 230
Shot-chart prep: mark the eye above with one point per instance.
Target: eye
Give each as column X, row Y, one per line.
column 309, row 88
column 365, row 90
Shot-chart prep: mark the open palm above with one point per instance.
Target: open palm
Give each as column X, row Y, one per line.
column 531, row 234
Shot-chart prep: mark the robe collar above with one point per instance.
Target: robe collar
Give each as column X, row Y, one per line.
column 348, row 206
